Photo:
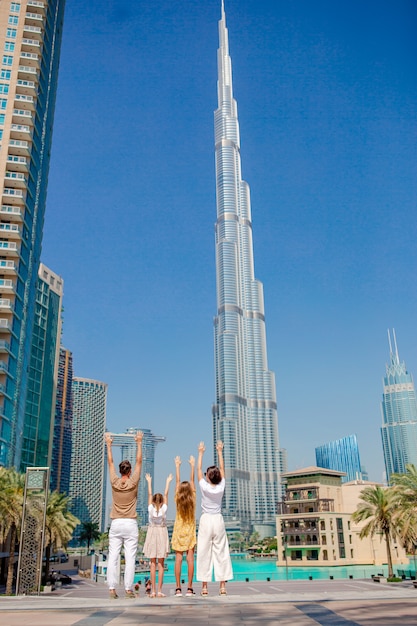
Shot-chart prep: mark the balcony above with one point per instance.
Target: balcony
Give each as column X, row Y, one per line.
column 19, row 148
column 300, row 530
column 26, row 102
column 16, row 179
column 8, row 248
column 14, row 196
column 12, row 213
column 5, row 325
column 4, row 346
column 6, row 284
column 297, row 508
column 8, row 267
column 35, row 18
column 31, row 45
column 32, row 32
column 36, row 5
column 301, row 494
column 304, row 542
column 30, row 59
column 19, row 164
column 26, row 71
column 20, row 131
column 6, row 305
column 11, row 231
column 26, row 87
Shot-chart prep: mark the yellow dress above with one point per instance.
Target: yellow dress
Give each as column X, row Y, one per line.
column 184, row 534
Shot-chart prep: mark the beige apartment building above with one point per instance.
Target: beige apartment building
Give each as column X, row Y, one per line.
column 314, row 525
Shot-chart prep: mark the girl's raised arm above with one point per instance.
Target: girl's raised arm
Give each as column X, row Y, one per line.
column 177, row 473
column 149, row 481
column 201, row 450
column 191, row 461
column 167, row 484
column 219, row 448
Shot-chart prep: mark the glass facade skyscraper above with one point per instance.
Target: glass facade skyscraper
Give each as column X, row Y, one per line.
column 341, row 455
column 127, row 446
column 39, row 420
column 30, row 41
column 399, row 414
column 88, row 476
column 245, row 408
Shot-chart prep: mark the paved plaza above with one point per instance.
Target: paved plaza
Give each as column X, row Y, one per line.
column 295, row 603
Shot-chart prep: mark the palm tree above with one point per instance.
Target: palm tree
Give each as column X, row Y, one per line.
column 141, row 536
column 12, row 486
column 89, row 533
column 405, row 489
column 59, row 524
column 378, row 506
column 103, row 541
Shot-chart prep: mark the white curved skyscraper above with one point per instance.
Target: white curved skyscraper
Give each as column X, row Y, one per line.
column 245, row 409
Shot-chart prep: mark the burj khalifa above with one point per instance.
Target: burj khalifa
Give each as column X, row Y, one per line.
column 245, row 409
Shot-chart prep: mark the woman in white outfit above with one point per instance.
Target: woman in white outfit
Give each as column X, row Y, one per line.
column 212, row 545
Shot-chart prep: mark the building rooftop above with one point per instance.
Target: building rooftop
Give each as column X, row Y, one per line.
column 311, row 470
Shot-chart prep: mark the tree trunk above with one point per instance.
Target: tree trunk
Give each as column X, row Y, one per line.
column 10, row 569
column 389, row 555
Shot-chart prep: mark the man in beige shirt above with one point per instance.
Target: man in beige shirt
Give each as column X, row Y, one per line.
column 124, row 526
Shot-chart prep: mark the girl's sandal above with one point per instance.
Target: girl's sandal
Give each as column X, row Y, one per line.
column 178, row 591
column 204, row 591
column 222, row 591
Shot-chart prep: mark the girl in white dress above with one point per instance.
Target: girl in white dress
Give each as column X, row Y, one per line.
column 156, row 546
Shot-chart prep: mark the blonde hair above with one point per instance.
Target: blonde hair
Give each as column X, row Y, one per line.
column 185, row 501
column 157, row 501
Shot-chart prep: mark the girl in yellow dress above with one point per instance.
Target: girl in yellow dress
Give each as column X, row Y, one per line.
column 184, row 534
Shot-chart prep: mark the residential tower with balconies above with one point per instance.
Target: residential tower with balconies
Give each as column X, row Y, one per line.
column 30, row 41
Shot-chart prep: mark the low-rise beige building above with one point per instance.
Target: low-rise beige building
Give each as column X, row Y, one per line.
column 314, row 525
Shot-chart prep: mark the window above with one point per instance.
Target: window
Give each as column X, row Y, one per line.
column 4, row 88
column 11, row 33
column 5, row 74
column 3, row 104
column 9, row 46
column 13, row 19
column 15, row 7
column 1, row 118
column 7, row 60
column 1, row 133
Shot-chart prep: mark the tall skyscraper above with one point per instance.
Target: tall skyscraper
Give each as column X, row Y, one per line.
column 245, row 408
column 88, row 476
column 38, row 427
column 341, row 455
column 62, row 441
column 399, row 414
column 30, row 40
column 127, row 446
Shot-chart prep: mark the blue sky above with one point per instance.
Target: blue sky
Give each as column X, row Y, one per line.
column 327, row 97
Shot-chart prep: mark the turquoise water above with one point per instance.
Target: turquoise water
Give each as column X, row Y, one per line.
column 261, row 569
